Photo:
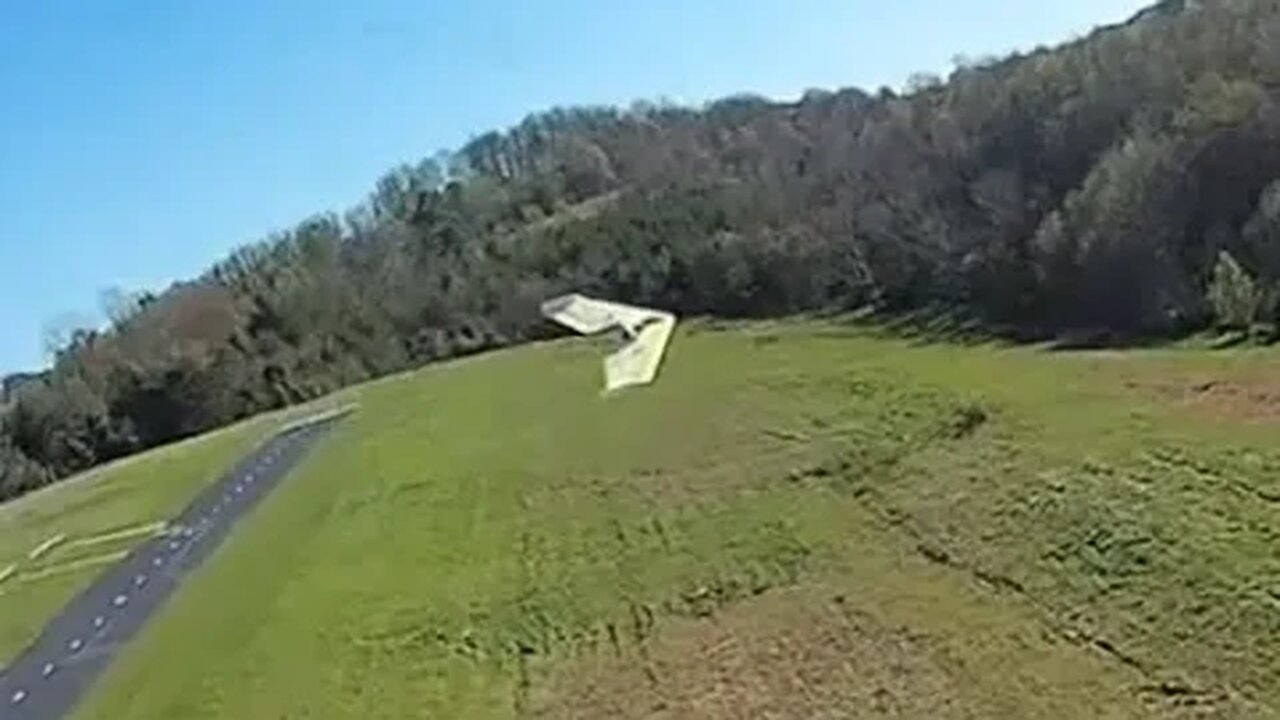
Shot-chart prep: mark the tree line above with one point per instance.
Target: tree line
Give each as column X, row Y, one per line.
column 1125, row 183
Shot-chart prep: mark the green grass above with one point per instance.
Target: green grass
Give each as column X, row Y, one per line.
column 1046, row 535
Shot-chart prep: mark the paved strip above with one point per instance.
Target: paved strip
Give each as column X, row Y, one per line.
column 47, row 680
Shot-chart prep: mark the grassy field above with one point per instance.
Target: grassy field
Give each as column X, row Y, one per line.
column 797, row 520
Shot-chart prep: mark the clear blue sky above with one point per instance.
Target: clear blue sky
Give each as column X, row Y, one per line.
column 141, row 140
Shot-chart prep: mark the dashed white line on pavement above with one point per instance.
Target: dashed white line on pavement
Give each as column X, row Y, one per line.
column 18, row 697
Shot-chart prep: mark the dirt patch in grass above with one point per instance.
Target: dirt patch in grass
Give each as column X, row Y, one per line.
column 789, row 654
column 1257, row 400
column 1248, row 397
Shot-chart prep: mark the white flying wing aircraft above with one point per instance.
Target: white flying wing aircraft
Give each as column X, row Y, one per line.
column 648, row 332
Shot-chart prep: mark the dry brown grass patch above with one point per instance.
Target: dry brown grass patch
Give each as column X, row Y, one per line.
column 789, row 654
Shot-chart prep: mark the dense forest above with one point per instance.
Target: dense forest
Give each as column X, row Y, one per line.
column 1126, row 183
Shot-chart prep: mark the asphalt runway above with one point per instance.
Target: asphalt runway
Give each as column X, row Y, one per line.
column 52, row 675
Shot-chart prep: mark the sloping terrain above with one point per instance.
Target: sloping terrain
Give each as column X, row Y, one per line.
column 797, row 520
column 1120, row 186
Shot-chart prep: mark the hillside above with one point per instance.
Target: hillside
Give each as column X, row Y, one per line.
column 797, row 520
column 1120, row 186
